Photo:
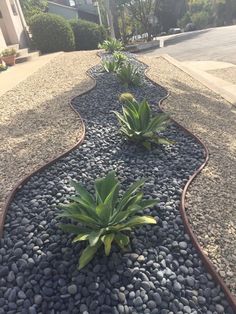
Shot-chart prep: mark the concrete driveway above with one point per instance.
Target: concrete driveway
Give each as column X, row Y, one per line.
column 215, row 44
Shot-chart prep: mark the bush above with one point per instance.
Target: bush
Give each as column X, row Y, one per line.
column 186, row 19
column 51, row 33
column 105, row 217
column 8, row 52
column 87, row 34
column 200, row 19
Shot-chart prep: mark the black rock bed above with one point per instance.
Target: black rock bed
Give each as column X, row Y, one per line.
column 160, row 273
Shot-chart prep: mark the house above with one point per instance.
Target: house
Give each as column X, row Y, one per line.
column 12, row 24
column 69, row 9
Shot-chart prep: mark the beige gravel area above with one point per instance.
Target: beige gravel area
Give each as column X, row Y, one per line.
column 211, row 200
column 227, row 74
column 36, row 121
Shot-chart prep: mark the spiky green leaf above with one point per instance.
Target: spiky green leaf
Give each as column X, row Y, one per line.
column 73, row 228
column 87, row 255
column 107, row 240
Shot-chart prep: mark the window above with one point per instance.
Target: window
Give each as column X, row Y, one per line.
column 13, row 7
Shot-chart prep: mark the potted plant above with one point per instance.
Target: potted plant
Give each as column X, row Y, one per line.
column 9, row 56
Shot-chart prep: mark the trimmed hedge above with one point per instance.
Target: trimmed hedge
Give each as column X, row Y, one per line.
column 87, row 34
column 51, row 33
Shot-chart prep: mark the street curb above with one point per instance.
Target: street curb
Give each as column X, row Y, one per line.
column 217, row 85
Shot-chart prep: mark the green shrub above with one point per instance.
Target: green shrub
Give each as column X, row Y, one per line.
column 186, row 19
column 107, row 217
column 200, row 19
column 87, row 34
column 111, row 45
column 8, row 52
column 129, row 75
column 51, row 33
column 139, row 126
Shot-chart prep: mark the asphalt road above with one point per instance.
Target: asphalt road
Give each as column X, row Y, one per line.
column 216, row 44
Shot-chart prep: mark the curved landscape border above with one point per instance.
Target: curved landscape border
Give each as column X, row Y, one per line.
column 208, row 264
column 19, row 184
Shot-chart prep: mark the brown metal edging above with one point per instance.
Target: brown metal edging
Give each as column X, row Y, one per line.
column 205, row 259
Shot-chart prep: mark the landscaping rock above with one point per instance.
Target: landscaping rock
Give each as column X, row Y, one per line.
column 146, row 282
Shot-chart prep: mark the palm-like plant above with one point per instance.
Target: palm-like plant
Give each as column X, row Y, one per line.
column 138, row 125
column 119, row 57
column 114, row 64
column 107, row 217
column 110, row 66
column 129, row 75
column 111, row 45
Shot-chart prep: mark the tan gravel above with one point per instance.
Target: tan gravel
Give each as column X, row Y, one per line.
column 227, row 74
column 211, row 201
column 36, row 121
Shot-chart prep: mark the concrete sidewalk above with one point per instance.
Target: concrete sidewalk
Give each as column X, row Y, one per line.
column 213, row 74
column 18, row 73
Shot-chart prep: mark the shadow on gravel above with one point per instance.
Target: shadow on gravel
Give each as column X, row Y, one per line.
column 33, row 137
column 212, row 196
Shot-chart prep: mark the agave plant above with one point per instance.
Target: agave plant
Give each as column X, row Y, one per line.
column 111, row 45
column 129, row 75
column 114, row 64
column 119, row 57
column 126, row 98
column 105, row 217
column 110, row 66
column 138, row 125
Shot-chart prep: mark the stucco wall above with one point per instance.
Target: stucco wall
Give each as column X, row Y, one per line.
column 2, row 41
column 13, row 23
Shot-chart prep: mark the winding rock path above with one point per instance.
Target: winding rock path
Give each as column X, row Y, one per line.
column 211, row 198
column 36, row 121
column 161, row 272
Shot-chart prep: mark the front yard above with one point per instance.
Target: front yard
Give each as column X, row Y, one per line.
column 160, row 271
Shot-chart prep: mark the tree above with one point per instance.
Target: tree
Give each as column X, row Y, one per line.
column 114, row 12
column 224, row 11
column 142, row 11
column 168, row 12
column 211, row 12
column 32, row 7
column 124, row 18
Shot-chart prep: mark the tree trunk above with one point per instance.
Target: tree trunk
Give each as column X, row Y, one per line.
column 109, row 18
column 123, row 26
column 114, row 11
